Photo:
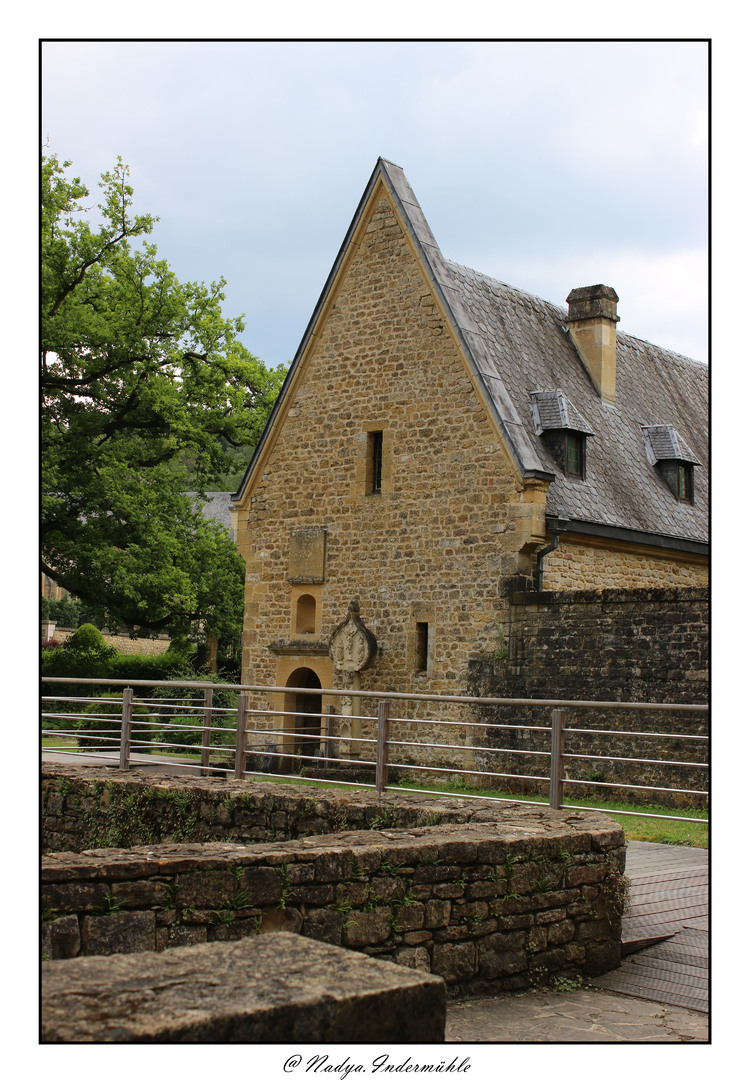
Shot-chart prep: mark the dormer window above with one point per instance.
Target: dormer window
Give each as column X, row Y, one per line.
column 672, row 458
column 564, row 430
column 679, row 478
column 574, row 448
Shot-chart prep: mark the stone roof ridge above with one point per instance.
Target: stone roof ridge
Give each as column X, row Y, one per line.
column 492, row 281
column 622, row 336
column 673, row 355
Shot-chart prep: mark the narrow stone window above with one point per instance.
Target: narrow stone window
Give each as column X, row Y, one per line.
column 422, row 645
column 305, row 614
column 374, row 462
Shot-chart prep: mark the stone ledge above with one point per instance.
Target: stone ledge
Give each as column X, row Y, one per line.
column 276, row 988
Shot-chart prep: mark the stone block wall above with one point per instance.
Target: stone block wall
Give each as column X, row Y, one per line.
column 508, row 897
column 648, row 646
column 123, row 643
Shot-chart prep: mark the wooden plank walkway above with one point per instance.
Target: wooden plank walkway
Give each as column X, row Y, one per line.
column 669, row 912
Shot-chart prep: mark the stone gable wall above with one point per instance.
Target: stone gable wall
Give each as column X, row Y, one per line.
column 505, row 899
column 435, row 544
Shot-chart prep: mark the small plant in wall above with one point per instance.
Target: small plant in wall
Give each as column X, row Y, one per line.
column 286, row 887
column 112, row 905
column 371, row 902
column 232, row 907
column 389, row 869
column 564, row 857
column 344, row 907
column 430, row 862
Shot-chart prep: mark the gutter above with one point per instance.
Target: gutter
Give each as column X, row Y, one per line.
column 539, row 577
column 556, row 525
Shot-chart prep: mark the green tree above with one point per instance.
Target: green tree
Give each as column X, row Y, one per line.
column 141, row 377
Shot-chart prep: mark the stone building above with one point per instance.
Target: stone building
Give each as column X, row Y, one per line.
column 443, row 440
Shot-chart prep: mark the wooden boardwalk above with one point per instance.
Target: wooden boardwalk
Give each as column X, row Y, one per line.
column 665, row 934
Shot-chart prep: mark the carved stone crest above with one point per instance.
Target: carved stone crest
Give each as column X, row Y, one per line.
column 352, row 645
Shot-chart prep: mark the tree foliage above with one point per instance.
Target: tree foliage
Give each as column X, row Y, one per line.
column 140, row 375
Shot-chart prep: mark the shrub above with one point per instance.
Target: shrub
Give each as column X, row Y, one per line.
column 107, row 718
column 88, row 639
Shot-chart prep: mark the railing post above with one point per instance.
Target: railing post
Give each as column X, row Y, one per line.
column 127, row 718
column 328, row 742
column 557, row 747
column 381, row 765
column 208, row 698
column 239, row 753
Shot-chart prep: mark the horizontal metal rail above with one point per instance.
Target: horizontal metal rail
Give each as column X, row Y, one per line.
column 470, row 725
column 477, row 701
column 635, row 733
column 466, row 771
column 315, row 759
column 173, row 716
column 632, row 786
column 487, row 749
column 628, row 759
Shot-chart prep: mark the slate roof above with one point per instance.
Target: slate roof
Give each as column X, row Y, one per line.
column 525, row 339
column 517, row 344
column 217, row 506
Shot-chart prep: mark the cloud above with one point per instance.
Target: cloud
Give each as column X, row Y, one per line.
column 524, row 155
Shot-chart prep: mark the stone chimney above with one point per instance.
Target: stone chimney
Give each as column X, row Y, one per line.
column 592, row 319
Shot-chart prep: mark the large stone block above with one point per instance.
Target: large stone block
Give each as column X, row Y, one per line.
column 278, row 988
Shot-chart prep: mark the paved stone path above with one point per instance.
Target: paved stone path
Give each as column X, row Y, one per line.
column 582, row 1015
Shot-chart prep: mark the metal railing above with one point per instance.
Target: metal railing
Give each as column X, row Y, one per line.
column 205, row 730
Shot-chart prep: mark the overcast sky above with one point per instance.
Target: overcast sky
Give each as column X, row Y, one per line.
column 548, row 165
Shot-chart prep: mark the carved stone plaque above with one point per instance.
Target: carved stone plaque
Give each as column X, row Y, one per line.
column 352, row 645
column 307, row 555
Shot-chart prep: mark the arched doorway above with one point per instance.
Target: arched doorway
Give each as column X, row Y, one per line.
column 303, row 712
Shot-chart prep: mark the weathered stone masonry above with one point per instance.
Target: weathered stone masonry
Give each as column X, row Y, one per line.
column 436, row 542
column 481, row 894
column 647, row 646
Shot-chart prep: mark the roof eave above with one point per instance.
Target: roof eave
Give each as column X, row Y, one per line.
column 557, row 524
